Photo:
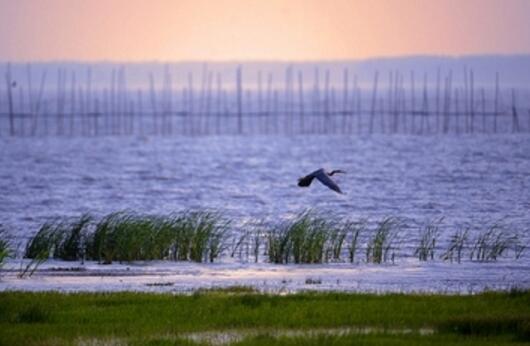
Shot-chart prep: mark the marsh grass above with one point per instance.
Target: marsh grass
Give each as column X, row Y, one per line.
column 60, row 238
column 337, row 239
column 238, row 244
column 71, row 245
column 257, row 237
column 457, row 243
column 492, row 243
column 383, row 240
column 5, row 251
column 278, row 243
column 44, row 243
column 428, row 235
column 308, row 238
column 190, row 236
column 354, row 229
column 518, row 248
column 204, row 236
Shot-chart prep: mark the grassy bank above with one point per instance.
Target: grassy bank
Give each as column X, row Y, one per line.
column 257, row 319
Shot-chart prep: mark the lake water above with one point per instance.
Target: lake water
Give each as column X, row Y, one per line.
column 470, row 181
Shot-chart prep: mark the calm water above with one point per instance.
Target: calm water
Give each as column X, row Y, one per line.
column 468, row 180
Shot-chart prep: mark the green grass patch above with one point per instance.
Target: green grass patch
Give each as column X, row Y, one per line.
column 164, row 319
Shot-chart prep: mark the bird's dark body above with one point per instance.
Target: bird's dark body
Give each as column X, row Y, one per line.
column 305, row 181
column 323, row 177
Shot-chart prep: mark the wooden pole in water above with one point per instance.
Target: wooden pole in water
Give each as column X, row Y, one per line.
column 21, row 107
column 315, row 111
column 30, row 92
column 58, row 104
column 447, row 101
column 191, row 97
column 124, row 104
column 72, row 103
column 96, row 116
column 333, row 110
column 219, row 103
column 472, row 99
column 82, row 108
column 239, row 100
column 402, row 110
column 249, row 111
column 275, row 109
column 153, row 102
column 208, row 102
column 269, row 102
column 164, row 126
column 359, row 107
column 425, row 107
column 106, row 111
column 89, row 94
column 515, row 120
column 169, row 100
column 395, row 103
column 61, row 81
column 483, row 103
column 301, row 100
column 413, row 102
column 118, row 101
column 287, row 100
column 374, row 98
column 390, row 104
column 383, row 119
column 465, row 97
column 10, row 84
column 352, row 104
column 345, row 98
column 38, row 103
column 437, row 100
column 184, row 122
column 260, row 93
column 202, row 98
column 112, row 99
column 326, row 102
column 457, row 110
column 131, row 114
column 496, row 104
column 140, row 111
column 259, row 119
column 128, row 105
column 123, row 107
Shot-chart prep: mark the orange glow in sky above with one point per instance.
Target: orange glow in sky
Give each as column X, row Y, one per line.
column 134, row 30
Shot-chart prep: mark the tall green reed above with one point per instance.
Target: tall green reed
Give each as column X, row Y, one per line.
column 457, row 242
column 382, row 241
column 5, row 251
column 492, row 242
column 428, row 235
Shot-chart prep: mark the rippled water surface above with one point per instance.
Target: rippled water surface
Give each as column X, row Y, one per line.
column 468, row 180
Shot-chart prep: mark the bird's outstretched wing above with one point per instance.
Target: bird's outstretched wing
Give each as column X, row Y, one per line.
column 326, row 180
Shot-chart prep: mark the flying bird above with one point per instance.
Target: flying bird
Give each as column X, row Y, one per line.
column 323, row 177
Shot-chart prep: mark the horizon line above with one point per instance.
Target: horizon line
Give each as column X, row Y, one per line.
column 262, row 61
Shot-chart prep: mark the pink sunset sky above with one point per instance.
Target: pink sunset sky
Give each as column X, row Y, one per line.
column 136, row 30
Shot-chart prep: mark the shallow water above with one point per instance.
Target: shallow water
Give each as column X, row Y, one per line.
column 474, row 180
